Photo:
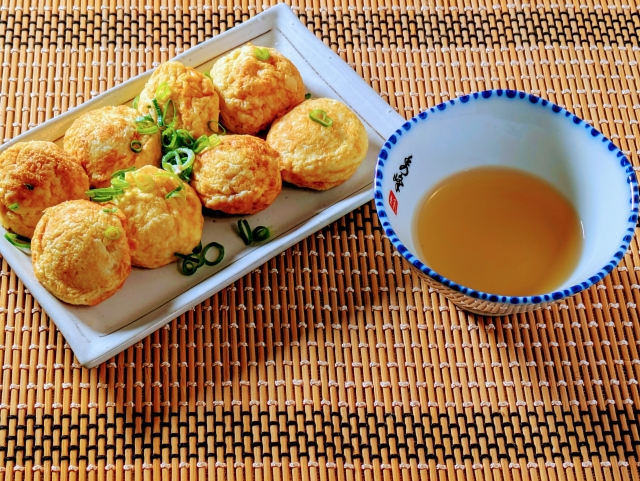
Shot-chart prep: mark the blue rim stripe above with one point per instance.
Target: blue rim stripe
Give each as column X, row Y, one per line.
column 591, row 133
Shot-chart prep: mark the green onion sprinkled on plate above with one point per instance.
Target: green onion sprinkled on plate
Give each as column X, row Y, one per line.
column 18, row 241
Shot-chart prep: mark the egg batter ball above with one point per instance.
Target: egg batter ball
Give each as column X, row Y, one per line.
column 253, row 92
column 241, row 175
column 193, row 95
column 315, row 156
column 33, row 176
column 160, row 226
column 100, row 140
column 81, row 252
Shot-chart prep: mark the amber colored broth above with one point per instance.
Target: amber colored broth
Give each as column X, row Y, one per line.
column 499, row 230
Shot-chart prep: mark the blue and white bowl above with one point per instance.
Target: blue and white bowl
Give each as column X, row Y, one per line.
column 519, row 130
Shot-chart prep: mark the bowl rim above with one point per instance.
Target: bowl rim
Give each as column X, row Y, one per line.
column 515, row 95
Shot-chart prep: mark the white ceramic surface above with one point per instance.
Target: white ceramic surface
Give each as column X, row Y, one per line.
column 515, row 129
column 151, row 298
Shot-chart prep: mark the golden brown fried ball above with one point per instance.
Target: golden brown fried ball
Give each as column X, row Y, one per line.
column 239, row 176
column 194, row 98
column 33, row 176
column 100, row 140
column 315, row 156
column 160, row 226
column 81, row 252
column 253, row 92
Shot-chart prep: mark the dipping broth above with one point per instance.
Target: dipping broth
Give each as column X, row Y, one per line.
column 499, row 230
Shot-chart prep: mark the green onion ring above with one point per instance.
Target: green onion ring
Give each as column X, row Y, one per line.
column 144, row 181
column 190, row 264
column 307, row 96
column 163, row 91
column 245, row 232
column 201, row 143
column 112, row 233
column 320, row 116
column 120, row 173
column 159, row 121
column 217, row 260
column 172, row 135
column 219, row 125
column 18, row 241
column 174, row 193
column 197, row 249
column 261, row 53
column 28, row 186
column 261, row 233
column 174, row 114
column 104, row 195
column 119, row 183
column 135, row 101
column 214, row 140
column 110, row 211
column 14, row 206
column 185, row 137
column 136, row 146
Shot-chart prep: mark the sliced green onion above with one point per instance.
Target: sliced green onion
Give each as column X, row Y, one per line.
column 28, row 186
column 261, row 53
column 170, row 175
column 201, row 143
column 104, row 195
column 190, row 264
column 217, row 260
column 135, row 101
column 172, row 162
column 144, row 182
column 159, row 120
column 112, row 233
column 197, row 249
column 110, row 211
column 185, row 137
column 175, row 192
column 163, row 91
column 214, row 140
column 14, row 206
column 17, row 240
column 120, row 173
column 136, row 146
column 169, row 139
column 320, row 116
column 148, row 130
column 208, row 75
column 245, row 232
column 261, row 233
column 170, row 107
column 118, row 183
column 307, row 96
column 220, row 127
column 146, row 124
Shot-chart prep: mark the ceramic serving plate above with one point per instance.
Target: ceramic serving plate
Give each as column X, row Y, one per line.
column 151, row 298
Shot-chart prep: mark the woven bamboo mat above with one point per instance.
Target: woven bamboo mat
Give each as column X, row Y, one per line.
column 332, row 361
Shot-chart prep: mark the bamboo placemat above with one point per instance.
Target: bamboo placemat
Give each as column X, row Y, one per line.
column 333, row 361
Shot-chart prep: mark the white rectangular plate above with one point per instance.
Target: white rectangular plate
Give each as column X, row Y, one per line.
column 151, row 298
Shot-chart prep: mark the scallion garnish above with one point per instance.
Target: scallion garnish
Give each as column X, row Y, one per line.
column 245, row 232
column 214, row 140
column 173, row 162
column 320, row 116
column 175, row 192
column 112, row 233
column 307, row 96
column 261, row 233
column 146, row 124
column 136, row 146
column 185, row 137
column 248, row 236
column 208, row 75
column 105, row 194
column 198, row 257
column 163, row 91
column 220, row 127
column 120, row 173
column 28, row 186
column 159, row 120
column 18, row 241
column 110, row 211
column 14, row 206
column 118, row 183
column 261, row 53
column 217, row 260
column 135, row 101
column 201, row 143
column 170, row 108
